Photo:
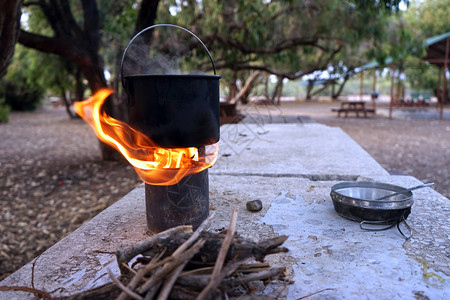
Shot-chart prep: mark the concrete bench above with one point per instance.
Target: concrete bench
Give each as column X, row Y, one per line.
column 229, row 113
column 291, row 169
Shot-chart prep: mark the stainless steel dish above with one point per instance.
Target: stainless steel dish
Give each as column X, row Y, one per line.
column 357, row 201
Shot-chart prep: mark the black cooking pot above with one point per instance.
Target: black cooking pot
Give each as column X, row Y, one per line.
column 173, row 110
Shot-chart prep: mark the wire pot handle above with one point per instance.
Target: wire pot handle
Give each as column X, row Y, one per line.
column 162, row 25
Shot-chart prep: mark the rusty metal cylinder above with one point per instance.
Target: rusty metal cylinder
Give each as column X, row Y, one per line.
column 184, row 203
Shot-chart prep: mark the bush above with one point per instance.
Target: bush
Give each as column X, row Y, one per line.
column 21, row 97
column 4, row 111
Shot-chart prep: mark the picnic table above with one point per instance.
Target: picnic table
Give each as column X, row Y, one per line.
column 353, row 106
column 229, row 113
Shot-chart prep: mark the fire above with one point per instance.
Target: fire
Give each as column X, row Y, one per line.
column 154, row 165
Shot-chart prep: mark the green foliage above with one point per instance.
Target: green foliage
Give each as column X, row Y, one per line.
column 423, row 19
column 422, row 76
column 285, row 38
column 429, row 18
column 4, row 111
column 23, row 85
column 22, row 97
column 288, row 38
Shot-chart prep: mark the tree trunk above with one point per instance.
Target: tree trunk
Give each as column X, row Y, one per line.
column 9, row 28
column 79, row 88
column 233, row 86
column 276, row 96
column 244, row 92
column 309, row 88
column 68, row 103
column 337, row 93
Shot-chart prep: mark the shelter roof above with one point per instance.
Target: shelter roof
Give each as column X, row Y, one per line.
column 436, row 48
column 375, row 64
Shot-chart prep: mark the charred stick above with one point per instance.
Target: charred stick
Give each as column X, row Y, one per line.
column 154, row 264
column 181, row 293
column 253, row 268
column 128, row 253
column 277, row 250
column 124, row 255
column 239, row 248
column 179, row 264
column 168, row 283
column 198, row 271
column 216, row 276
column 178, row 255
column 201, row 281
column 273, row 243
column 193, row 237
column 244, row 268
column 152, row 285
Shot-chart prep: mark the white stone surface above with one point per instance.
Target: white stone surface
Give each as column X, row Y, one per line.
column 334, row 253
column 292, row 149
column 330, row 252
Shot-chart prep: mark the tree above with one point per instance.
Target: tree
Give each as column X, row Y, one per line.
column 9, row 28
column 286, row 38
column 425, row 19
column 76, row 36
column 78, row 43
column 428, row 18
column 9, row 25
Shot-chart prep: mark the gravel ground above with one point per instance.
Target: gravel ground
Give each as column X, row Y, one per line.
column 52, row 181
column 52, row 178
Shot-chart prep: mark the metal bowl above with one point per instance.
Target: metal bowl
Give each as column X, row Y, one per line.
column 356, row 201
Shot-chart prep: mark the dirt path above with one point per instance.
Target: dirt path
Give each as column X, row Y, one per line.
column 52, row 181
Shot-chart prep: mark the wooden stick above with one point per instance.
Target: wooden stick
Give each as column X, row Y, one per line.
column 225, row 245
column 213, row 283
column 151, row 286
column 312, row 294
column 271, row 273
column 198, row 271
column 167, row 287
column 176, row 256
column 123, row 287
column 127, row 253
column 38, row 293
column 193, row 237
column 154, row 263
column 167, row 268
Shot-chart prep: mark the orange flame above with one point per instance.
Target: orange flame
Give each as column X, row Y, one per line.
column 154, row 165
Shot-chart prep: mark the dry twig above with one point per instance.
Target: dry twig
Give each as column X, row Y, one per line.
column 181, row 264
column 214, row 282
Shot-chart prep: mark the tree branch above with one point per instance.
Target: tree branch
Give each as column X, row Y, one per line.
column 147, row 14
column 54, row 45
column 9, row 29
column 281, row 46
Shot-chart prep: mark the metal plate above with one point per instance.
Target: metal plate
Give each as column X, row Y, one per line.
column 357, row 201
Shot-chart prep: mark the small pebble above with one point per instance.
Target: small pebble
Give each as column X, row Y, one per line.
column 254, row 205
